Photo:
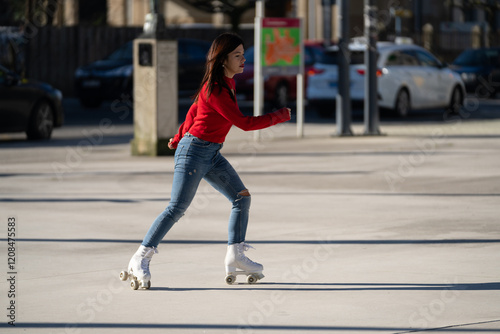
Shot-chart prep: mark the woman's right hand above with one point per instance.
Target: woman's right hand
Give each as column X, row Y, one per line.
column 170, row 146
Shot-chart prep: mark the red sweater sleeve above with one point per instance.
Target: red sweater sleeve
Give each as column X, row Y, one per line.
column 188, row 122
column 225, row 106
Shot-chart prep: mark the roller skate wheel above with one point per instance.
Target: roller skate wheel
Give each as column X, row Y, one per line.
column 251, row 279
column 123, row 275
column 134, row 285
column 145, row 285
column 230, row 279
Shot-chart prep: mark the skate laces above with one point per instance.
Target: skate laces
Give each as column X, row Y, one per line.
column 246, row 247
column 151, row 252
column 147, row 258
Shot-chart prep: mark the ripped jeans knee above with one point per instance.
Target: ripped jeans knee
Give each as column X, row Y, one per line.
column 243, row 200
column 244, row 192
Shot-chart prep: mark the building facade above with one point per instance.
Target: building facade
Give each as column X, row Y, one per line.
column 395, row 17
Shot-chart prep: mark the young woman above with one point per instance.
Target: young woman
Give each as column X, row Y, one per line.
column 197, row 157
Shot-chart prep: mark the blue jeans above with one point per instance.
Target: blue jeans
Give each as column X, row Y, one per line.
column 197, row 159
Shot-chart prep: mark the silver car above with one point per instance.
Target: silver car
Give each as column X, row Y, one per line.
column 409, row 77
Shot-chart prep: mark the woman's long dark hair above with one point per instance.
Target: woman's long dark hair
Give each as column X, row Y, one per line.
column 221, row 47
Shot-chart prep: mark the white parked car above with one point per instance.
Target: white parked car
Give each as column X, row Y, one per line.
column 409, row 77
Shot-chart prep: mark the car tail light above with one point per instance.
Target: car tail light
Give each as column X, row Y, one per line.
column 362, row 71
column 313, row 71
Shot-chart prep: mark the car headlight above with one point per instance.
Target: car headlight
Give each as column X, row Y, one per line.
column 468, row 77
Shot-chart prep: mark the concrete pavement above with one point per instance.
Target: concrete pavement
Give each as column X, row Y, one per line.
column 387, row 234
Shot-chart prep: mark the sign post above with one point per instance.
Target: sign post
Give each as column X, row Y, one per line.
column 300, row 87
column 258, row 89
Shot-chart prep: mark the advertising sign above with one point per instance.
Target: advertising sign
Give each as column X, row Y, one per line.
column 281, row 46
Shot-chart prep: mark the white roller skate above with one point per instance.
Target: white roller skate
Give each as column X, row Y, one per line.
column 138, row 268
column 238, row 264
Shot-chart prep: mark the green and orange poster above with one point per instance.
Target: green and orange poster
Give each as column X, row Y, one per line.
column 281, row 44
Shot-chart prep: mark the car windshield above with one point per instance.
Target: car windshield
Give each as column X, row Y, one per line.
column 478, row 58
column 331, row 58
column 122, row 53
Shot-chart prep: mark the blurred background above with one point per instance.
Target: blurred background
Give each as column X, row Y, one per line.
column 83, row 48
column 49, row 39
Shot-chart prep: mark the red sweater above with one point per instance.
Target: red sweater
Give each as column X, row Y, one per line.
column 211, row 119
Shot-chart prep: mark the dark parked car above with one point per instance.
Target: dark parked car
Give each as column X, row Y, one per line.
column 28, row 106
column 109, row 78
column 480, row 70
column 278, row 89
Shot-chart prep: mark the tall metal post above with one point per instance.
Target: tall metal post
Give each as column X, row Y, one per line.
column 154, row 22
column 311, row 20
column 258, row 88
column 344, row 94
column 417, row 10
column 371, row 114
column 327, row 21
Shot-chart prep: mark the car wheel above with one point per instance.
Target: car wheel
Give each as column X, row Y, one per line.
column 41, row 122
column 403, row 106
column 90, row 103
column 456, row 101
column 281, row 95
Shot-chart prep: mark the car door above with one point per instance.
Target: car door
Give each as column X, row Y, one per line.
column 394, row 78
column 415, row 75
column 14, row 109
column 404, row 72
column 437, row 83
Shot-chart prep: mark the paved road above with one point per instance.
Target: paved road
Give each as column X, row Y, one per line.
column 121, row 112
